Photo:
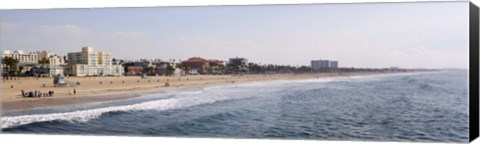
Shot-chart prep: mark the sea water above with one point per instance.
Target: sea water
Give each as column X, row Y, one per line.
column 427, row 106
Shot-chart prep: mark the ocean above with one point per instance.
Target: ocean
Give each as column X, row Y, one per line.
column 416, row 107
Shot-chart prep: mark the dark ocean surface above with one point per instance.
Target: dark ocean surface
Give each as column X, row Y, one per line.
column 418, row 107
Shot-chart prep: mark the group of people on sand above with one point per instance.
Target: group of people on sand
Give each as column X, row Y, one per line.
column 37, row 94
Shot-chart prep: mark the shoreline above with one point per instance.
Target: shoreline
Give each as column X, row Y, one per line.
column 100, row 92
column 62, row 101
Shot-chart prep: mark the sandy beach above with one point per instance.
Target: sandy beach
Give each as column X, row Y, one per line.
column 99, row 89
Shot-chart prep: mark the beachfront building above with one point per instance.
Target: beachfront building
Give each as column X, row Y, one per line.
column 91, row 63
column 198, row 65
column 49, row 64
column 195, row 65
column 25, row 60
column 22, row 57
column 320, row 64
column 237, row 65
column 238, row 61
column 37, row 63
column 133, row 70
column 333, row 64
column 215, row 66
column 138, row 67
column 161, row 68
column 150, row 67
column 117, row 70
column 167, row 68
column 324, row 65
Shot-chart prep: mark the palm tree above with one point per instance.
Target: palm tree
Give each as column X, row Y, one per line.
column 20, row 69
column 11, row 64
column 170, row 69
column 44, row 61
column 221, row 69
column 184, row 68
column 232, row 68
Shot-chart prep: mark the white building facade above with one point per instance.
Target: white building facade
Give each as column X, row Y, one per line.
column 320, row 64
column 91, row 63
column 325, row 65
column 30, row 62
column 333, row 64
column 22, row 57
column 56, row 62
column 25, row 60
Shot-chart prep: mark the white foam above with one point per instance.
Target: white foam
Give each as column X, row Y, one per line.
column 180, row 100
column 80, row 116
column 183, row 99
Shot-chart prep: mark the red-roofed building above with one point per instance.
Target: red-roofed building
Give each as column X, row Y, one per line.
column 195, row 65
column 133, row 70
column 215, row 66
column 198, row 65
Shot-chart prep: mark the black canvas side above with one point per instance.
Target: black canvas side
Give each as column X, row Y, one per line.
column 474, row 71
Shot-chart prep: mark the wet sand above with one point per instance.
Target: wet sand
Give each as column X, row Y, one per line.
column 30, row 103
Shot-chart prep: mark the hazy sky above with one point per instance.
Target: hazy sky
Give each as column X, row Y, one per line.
column 409, row 35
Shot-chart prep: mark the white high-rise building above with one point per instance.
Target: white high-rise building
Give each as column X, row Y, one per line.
column 91, row 63
column 325, row 65
column 320, row 64
column 333, row 64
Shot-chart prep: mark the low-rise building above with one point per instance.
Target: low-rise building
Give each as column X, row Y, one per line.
column 198, row 65
column 133, row 67
column 215, row 66
column 195, row 65
column 133, row 70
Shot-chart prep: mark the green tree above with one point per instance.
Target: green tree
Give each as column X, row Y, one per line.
column 20, row 69
column 11, row 64
column 44, row 62
column 185, row 68
column 148, row 70
column 232, row 68
column 170, row 69
column 221, row 69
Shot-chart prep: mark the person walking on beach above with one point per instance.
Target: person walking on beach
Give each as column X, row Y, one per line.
column 74, row 92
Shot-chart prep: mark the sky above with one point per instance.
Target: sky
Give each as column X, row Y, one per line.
column 369, row 35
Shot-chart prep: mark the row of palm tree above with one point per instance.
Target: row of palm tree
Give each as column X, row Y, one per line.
column 11, row 67
column 170, row 69
column 230, row 68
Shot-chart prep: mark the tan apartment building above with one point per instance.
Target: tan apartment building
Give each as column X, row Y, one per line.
column 56, row 63
column 91, row 63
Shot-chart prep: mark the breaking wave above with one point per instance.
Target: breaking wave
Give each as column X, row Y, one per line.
column 181, row 99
